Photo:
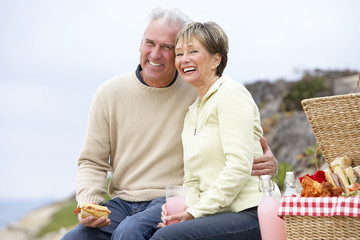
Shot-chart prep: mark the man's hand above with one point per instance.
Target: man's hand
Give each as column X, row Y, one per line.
column 265, row 164
column 93, row 222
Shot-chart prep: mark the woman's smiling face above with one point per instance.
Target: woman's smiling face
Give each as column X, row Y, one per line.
column 194, row 62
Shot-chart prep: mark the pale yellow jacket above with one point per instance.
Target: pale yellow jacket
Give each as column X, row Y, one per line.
column 221, row 136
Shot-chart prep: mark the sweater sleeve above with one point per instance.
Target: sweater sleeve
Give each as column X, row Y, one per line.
column 93, row 163
column 235, row 112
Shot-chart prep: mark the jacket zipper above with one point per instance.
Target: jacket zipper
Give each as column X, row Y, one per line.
column 197, row 117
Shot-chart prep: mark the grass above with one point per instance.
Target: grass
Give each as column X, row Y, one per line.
column 280, row 176
column 62, row 219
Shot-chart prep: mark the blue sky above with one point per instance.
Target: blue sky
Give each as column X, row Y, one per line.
column 54, row 54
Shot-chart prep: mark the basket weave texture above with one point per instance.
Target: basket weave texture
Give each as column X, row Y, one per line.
column 335, row 121
column 324, row 228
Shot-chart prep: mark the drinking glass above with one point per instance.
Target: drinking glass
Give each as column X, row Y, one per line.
column 175, row 200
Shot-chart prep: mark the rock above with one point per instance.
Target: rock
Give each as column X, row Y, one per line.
column 345, row 85
column 29, row 225
column 268, row 96
column 289, row 134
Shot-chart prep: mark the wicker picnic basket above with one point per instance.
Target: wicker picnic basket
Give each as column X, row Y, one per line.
column 335, row 121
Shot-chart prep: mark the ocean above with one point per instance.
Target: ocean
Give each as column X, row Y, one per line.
column 13, row 210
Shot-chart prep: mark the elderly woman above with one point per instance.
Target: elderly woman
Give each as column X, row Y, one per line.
column 220, row 139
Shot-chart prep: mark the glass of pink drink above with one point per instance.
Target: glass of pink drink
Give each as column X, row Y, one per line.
column 175, row 201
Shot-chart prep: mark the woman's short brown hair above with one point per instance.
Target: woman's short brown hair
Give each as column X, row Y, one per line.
column 212, row 36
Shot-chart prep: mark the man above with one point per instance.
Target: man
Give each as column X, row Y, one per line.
column 134, row 132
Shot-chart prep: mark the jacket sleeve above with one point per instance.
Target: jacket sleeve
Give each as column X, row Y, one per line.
column 192, row 188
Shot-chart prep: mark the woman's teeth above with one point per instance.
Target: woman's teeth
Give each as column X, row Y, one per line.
column 189, row 69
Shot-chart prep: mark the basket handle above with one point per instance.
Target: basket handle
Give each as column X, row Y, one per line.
column 315, row 156
column 357, row 85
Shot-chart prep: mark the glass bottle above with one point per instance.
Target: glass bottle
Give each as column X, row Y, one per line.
column 272, row 227
column 289, row 184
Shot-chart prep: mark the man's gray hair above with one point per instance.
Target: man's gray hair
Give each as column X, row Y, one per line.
column 171, row 16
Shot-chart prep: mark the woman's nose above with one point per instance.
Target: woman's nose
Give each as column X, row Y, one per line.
column 185, row 58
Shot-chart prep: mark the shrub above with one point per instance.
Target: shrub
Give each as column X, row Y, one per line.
column 308, row 87
column 280, row 176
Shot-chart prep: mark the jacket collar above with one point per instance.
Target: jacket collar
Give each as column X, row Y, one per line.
column 213, row 89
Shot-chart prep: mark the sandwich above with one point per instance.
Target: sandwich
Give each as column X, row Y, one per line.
column 349, row 172
column 332, row 178
column 344, row 183
column 337, row 178
column 343, row 162
column 357, row 172
column 342, row 174
column 90, row 209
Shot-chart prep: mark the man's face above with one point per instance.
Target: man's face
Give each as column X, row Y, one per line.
column 157, row 57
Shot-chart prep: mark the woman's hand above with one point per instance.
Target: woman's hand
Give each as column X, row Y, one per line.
column 183, row 216
column 163, row 216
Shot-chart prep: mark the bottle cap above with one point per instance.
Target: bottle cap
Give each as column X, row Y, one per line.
column 265, row 183
column 265, row 177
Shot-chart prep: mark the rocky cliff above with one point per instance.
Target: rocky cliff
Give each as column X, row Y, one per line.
column 29, row 225
column 288, row 133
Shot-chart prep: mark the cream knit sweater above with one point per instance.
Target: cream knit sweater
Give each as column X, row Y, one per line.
column 134, row 132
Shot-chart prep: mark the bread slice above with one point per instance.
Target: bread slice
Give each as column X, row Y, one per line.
column 348, row 160
column 335, row 163
column 349, row 172
column 329, row 177
column 343, row 162
column 356, row 171
column 89, row 209
column 342, row 178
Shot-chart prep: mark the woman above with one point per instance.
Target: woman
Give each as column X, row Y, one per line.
column 221, row 135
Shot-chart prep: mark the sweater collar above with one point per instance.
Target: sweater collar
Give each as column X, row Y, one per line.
column 139, row 68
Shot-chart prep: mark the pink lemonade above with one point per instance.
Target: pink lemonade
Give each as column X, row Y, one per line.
column 272, row 227
column 175, row 205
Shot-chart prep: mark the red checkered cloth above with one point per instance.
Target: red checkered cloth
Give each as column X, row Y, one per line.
column 320, row 206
